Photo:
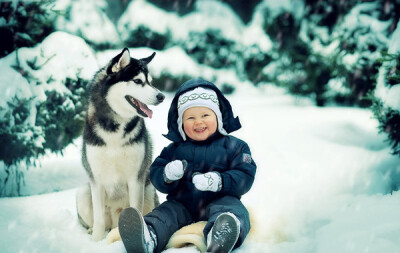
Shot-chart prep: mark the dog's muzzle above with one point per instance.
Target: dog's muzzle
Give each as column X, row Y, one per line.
column 160, row 97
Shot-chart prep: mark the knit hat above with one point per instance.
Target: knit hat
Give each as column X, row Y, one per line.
column 199, row 97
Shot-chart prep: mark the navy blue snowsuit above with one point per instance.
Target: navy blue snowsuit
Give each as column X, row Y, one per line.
column 225, row 154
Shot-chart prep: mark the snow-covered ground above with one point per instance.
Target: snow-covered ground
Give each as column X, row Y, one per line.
column 322, row 185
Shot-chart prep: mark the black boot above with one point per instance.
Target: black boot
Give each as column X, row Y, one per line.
column 224, row 234
column 134, row 232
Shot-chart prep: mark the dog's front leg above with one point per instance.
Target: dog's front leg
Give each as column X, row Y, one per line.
column 98, row 199
column 136, row 194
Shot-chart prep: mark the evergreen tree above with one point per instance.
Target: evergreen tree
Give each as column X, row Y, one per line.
column 24, row 23
column 310, row 63
column 389, row 117
column 49, row 112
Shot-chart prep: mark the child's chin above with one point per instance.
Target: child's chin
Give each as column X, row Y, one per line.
column 200, row 137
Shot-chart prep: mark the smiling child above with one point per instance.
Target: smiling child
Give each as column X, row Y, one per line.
column 204, row 172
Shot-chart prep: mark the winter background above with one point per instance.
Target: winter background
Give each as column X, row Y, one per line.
column 315, row 84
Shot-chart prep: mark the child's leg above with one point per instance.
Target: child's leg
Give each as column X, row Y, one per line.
column 152, row 232
column 166, row 219
column 230, row 205
column 135, row 234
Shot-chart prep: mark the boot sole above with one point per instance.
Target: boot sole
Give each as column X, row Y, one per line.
column 130, row 225
column 222, row 244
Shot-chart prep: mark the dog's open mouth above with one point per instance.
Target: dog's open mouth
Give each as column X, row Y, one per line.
column 141, row 108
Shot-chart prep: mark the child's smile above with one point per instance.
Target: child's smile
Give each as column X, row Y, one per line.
column 200, row 130
column 199, row 123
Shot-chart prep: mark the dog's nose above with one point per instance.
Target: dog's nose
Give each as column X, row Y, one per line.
column 160, row 97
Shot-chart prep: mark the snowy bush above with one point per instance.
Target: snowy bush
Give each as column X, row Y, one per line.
column 136, row 29
column 244, row 9
column 144, row 37
column 386, row 105
column 296, row 66
column 328, row 13
column 211, row 48
column 363, row 36
column 329, row 53
column 58, row 121
column 254, row 60
column 219, row 43
column 387, row 95
column 283, row 29
column 88, row 20
column 43, row 101
column 389, row 123
column 181, row 7
column 68, row 110
column 168, row 82
column 227, row 88
column 24, row 23
column 20, row 141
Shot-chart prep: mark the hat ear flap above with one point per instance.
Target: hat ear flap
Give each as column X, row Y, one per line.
column 231, row 123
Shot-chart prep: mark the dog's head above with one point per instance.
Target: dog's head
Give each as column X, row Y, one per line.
column 128, row 85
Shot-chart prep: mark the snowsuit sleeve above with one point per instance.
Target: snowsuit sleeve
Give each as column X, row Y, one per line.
column 157, row 171
column 239, row 178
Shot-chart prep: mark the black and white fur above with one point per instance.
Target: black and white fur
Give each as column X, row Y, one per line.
column 117, row 149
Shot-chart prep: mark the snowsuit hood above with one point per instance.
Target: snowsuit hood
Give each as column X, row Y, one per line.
column 230, row 122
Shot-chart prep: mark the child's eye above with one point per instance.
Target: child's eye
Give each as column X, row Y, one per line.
column 190, row 118
column 206, row 115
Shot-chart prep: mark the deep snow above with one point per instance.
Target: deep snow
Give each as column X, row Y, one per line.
column 322, row 184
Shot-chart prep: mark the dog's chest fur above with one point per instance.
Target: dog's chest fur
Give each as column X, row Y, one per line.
column 118, row 161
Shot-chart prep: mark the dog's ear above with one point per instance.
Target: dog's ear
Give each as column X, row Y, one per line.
column 148, row 59
column 124, row 58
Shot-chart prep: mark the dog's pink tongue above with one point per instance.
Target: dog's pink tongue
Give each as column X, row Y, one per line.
column 146, row 110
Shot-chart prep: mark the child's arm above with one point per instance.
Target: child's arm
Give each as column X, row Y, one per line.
column 157, row 172
column 235, row 181
column 239, row 178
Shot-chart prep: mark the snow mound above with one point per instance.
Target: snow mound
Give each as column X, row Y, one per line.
column 88, row 20
column 46, row 66
column 206, row 16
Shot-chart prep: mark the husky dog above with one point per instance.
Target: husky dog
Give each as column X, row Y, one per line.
column 117, row 150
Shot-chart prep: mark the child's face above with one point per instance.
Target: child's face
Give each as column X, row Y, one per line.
column 199, row 123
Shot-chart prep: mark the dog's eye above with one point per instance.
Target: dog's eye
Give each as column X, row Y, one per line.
column 138, row 81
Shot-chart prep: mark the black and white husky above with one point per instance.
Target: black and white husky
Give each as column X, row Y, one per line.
column 117, row 149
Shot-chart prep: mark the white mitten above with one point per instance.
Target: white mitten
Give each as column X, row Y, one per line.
column 210, row 181
column 174, row 170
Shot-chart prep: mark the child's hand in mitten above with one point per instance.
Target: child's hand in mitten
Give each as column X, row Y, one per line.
column 174, row 170
column 210, row 181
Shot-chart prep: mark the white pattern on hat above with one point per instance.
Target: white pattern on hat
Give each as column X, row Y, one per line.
column 199, row 97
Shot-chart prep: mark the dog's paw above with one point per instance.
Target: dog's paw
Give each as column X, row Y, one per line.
column 90, row 231
column 113, row 236
column 97, row 237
